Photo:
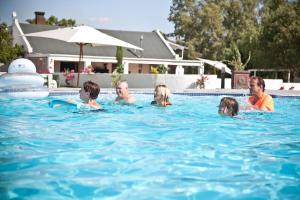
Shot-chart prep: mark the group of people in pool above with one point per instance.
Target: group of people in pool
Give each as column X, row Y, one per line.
column 258, row 100
column 90, row 91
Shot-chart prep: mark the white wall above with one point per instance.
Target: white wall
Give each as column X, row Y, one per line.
column 174, row 82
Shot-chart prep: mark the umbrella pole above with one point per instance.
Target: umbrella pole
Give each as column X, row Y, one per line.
column 79, row 63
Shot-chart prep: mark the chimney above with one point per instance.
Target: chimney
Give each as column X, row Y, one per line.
column 39, row 17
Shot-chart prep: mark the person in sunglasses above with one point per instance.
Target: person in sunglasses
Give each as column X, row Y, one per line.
column 161, row 96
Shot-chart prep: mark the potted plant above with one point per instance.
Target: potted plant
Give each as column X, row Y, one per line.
column 162, row 69
column 240, row 77
column 157, row 69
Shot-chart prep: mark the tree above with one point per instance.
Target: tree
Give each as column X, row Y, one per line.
column 66, row 22
column 7, row 51
column 236, row 59
column 269, row 29
column 280, row 34
column 116, row 74
column 119, row 57
column 183, row 14
column 241, row 27
column 209, row 26
column 53, row 21
column 211, row 30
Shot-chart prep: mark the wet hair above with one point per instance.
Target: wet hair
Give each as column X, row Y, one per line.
column 260, row 82
column 231, row 105
column 92, row 88
column 164, row 90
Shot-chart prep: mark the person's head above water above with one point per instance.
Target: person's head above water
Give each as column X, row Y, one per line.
column 122, row 92
column 258, row 99
column 122, row 88
column 228, row 106
column 161, row 95
column 257, row 85
column 89, row 91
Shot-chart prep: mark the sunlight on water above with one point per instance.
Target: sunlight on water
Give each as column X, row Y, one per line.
column 186, row 151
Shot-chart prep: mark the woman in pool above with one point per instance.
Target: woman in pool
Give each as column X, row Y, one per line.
column 161, row 96
column 228, row 106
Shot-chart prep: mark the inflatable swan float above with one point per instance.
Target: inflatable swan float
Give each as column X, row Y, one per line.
column 22, row 81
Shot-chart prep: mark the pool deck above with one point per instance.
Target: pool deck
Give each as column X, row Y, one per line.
column 190, row 92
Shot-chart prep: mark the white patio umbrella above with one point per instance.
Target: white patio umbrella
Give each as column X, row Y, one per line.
column 217, row 64
column 83, row 35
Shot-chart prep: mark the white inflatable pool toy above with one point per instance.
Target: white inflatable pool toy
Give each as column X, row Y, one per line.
column 22, row 81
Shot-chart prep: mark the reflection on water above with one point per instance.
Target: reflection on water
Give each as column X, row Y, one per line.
column 185, row 151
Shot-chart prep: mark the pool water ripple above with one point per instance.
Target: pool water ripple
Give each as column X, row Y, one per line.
column 186, row 151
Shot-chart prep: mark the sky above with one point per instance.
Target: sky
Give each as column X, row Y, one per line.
column 133, row 15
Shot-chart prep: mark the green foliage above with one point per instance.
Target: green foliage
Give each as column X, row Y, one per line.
column 119, row 57
column 53, row 21
column 236, row 59
column 269, row 29
column 7, row 51
column 115, row 77
column 120, row 69
column 280, row 35
column 66, row 22
column 162, row 69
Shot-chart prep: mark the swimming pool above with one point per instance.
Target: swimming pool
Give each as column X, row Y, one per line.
column 186, row 151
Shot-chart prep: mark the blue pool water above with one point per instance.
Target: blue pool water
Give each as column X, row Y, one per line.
column 186, row 151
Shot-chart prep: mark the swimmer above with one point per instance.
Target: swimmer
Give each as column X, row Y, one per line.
column 123, row 95
column 88, row 94
column 161, row 96
column 228, row 106
column 259, row 100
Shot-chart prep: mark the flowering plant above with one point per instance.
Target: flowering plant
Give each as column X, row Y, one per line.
column 154, row 70
column 201, row 81
column 69, row 74
column 160, row 69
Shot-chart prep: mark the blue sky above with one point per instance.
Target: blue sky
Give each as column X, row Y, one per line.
column 135, row 15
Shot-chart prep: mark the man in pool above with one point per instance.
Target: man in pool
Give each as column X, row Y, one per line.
column 259, row 100
column 123, row 94
column 228, row 106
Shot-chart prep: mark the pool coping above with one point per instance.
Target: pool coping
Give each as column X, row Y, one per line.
column 188, row 92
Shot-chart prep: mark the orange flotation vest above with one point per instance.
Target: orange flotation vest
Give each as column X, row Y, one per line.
column 265, row 102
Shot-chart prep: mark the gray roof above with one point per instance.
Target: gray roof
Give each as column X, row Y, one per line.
column 153, row 46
